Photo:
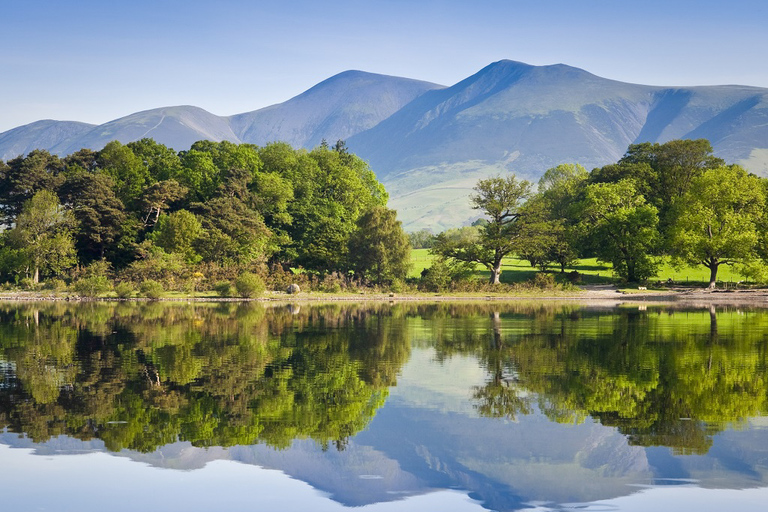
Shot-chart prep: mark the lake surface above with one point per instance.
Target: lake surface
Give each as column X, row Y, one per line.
column 449, row 407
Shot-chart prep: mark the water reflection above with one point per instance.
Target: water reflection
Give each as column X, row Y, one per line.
column 515, row 403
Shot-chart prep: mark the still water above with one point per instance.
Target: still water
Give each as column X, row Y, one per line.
column 445, row 407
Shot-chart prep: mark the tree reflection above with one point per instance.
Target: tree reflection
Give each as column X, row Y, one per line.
column 662, row 376
column 140, row 377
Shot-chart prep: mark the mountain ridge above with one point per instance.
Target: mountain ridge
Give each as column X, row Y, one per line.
column 429, row 143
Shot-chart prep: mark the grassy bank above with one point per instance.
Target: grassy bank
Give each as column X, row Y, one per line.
column 593, row 272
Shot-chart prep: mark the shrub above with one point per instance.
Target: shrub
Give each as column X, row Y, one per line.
column 543, row 281
column 249, row 285
column 151, row 289
column 124, row 290
column 92, row 286
column 28, row 284
column 56, row 285
column 224, row 289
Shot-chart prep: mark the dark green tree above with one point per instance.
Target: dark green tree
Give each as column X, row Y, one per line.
column 379, row 251
column 100, row 215
column 22, row 177
column 622, row 228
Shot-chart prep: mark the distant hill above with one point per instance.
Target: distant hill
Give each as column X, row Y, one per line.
column 39, row 135
column 430, row 144
column 176, row 127
column 337, row 108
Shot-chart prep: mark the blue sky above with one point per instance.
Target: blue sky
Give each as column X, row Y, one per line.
column 95, row 61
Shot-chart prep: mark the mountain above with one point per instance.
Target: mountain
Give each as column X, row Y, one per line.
column 176, row 127
column 39, row 135
column 513, row 117
column 430, row 144
column 337, row 108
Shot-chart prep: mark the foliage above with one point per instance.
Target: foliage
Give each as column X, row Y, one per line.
column 422, row 239
column 622, row 228
column 42, row 234
column 249, row 285
column 501, row 201
column 124, row 290
column 718, row 220
column 224, row 289
column 92, row 286
column 151, row 289
column 379, row 251
column 178, row 232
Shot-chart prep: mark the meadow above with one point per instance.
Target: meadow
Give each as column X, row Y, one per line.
column 593, row 271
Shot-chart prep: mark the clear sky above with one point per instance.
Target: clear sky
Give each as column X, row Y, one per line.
column 97, row 60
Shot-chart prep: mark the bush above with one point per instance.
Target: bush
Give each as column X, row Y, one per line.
column 249, row 285
column 28, row 284
column 543, row 281
column 124, row 290
column 151, row 289
column 92, row 286
column 56, row 285
column 224, row 289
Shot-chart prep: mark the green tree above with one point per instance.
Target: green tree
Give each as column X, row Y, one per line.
column 379, row 250
column 43, row 233
column 23, row 177
column 127, row 171
column 161, row 162
column 501, row 201
column 622, row 228
column 178, row 232
column 99, row 213
column 158, row 197
column 717, row 221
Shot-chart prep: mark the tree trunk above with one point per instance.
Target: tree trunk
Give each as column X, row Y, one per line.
column 713, row 275
column 495, row 273
column 36, row 276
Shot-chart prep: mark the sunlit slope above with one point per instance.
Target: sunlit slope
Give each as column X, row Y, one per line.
column 176, row 127
column 337, row 108
column 40, row 134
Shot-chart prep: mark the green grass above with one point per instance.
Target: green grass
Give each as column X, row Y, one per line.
column 593, row 272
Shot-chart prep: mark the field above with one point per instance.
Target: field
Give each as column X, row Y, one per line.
column 592, row 271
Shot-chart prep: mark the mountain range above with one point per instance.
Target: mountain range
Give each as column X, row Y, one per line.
column 429, row 144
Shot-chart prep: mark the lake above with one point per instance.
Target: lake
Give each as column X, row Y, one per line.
column 384, row 407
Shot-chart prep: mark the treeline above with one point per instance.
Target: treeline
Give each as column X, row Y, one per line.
column 143, row 213
column 673, row 200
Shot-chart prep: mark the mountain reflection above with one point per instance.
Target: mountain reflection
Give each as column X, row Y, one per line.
column 141, row 376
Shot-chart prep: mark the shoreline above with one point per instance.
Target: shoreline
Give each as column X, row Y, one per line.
column 596, row 293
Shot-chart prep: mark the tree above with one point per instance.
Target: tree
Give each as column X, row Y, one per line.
column 42, row 232
column 178, row 232
column 501, row 200
column 158, row 197
column 127, row 170
column 379, row 250
column 23, row 177
column 717, row 220
column 622, row 228
column 99, row 213
column 552, row 233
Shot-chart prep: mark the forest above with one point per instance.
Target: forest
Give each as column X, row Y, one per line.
column 239, row 219
column 218, row 216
